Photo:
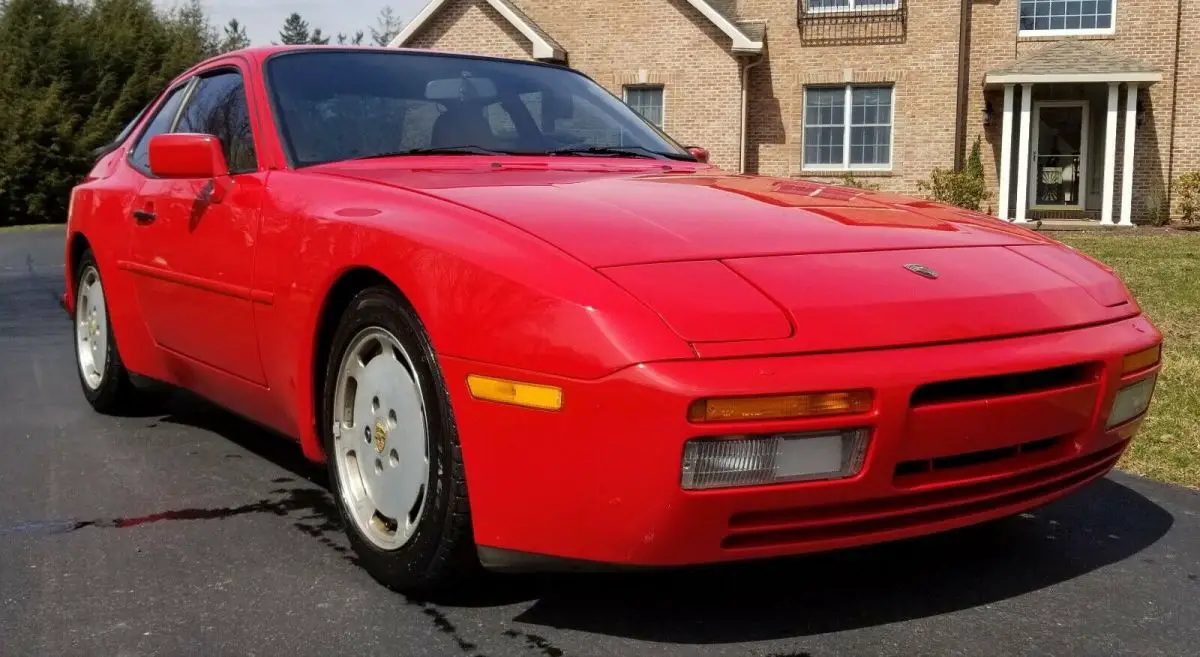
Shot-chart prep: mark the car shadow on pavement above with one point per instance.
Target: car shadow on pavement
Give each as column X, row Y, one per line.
column 1104, row 523
column 1101, row 524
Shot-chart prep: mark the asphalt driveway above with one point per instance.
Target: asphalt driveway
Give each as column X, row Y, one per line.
column 194, row 532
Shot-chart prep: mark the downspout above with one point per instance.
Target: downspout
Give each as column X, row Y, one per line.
column 1174, row 108
column 744, row 146
column 964, row 71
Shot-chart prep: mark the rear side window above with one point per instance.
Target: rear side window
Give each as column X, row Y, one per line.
column 158, row 125
column 218, row 107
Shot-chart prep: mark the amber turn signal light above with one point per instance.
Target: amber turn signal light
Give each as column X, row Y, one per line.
column 780, row 407
column 529, row 395
column 1140, row 360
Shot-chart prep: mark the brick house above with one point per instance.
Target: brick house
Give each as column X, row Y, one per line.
column 888, row 89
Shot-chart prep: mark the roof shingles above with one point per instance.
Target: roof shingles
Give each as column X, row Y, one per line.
column 1072, row 58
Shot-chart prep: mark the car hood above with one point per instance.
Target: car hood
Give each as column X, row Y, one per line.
column 608, row 218
column 741, row 265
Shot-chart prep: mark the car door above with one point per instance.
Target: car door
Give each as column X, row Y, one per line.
column 192, row 249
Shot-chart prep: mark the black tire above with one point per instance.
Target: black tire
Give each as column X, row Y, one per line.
column 116, row 393
column 441, row 553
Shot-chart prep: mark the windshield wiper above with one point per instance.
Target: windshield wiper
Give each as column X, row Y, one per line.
column 445, row 150
column 616, row 151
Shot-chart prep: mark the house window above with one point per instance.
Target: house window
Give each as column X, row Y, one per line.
column 819, row 6
column 860, row 138
column 1050, row 17
column 647, row 101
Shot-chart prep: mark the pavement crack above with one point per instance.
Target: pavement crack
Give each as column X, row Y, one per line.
column 443, row 624
column 535, row 643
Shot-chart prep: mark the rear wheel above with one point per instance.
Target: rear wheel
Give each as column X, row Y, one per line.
column 105, row 381
column 392, row 450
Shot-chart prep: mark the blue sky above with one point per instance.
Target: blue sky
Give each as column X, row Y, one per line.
column 263, row 18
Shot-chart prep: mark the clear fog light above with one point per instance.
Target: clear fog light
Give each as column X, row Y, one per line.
column 1132, row 401
column 753, row 461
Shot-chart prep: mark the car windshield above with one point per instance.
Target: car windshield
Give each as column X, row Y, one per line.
column 341, row 104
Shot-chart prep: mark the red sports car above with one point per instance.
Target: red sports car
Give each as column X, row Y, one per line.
column 525, row 328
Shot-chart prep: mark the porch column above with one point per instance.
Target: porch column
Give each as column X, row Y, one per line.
column 1131, row 91
column 1023, row 154
column 1005, row 154
column 1110, row 155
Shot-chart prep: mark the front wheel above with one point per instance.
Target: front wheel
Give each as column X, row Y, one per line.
column 392, row 450
column 105, row 381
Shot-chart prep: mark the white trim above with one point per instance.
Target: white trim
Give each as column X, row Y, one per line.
column 1127, row 170
column 1044, row 78
column 1110, row 155
column 847, row 126
column 1093, row 31
column 1023, row 156
column 1081, row 174
column 1005, row 155
column 542, row 49
column 740, row 40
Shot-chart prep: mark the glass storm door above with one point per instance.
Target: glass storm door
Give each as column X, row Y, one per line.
column 1059, row 155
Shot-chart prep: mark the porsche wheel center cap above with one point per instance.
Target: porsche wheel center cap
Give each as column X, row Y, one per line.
column 380, row 436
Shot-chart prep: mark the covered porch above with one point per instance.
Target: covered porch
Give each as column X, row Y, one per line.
column 1069, row 111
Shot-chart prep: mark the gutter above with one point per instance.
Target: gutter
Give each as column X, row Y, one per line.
column 1174, row 108
column 744, row 144
column 964, row 71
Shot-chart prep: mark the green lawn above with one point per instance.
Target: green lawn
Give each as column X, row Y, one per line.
column 30, row 227
column 1162, row 269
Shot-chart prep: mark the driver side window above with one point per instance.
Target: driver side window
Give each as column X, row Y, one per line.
column 218, row 107
column 160, row 123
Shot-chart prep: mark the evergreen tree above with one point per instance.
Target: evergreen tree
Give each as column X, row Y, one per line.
column 387, row 26
column 235, row 37
column 72, row 75
column 295, row 31
column 316, row 39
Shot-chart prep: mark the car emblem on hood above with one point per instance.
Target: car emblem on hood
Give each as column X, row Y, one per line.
column 921, row 270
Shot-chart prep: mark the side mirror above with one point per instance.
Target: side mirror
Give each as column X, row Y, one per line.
column 700, row 154
column 187, row 155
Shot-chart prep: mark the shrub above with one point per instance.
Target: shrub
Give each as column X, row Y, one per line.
column 1189, row 197
column 1155, row 206
column 965, row 188
column 848, row 180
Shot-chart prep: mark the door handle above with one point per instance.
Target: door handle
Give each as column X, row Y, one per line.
column 144, row 216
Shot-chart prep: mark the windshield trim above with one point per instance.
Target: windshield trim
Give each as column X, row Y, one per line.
column 286, row 144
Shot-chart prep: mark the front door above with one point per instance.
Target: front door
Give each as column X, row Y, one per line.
column 193, row 247
column 1059, row 155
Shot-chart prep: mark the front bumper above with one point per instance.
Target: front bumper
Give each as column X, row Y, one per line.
column 599, row 481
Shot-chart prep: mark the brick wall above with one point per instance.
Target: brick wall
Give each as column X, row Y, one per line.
column 921, row 63
column 472, row 26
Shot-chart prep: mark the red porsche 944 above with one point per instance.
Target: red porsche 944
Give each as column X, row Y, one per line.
column 525, row 329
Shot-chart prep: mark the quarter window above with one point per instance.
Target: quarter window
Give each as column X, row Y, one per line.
column 848, row 127
column 647, row 101
column 160, row 123
column 1066, row 16
column 218, row 107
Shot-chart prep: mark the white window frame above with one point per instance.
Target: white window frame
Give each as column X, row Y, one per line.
column 642, row 87
column 853, row 7
column 847, row 127
column 1083, row 31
